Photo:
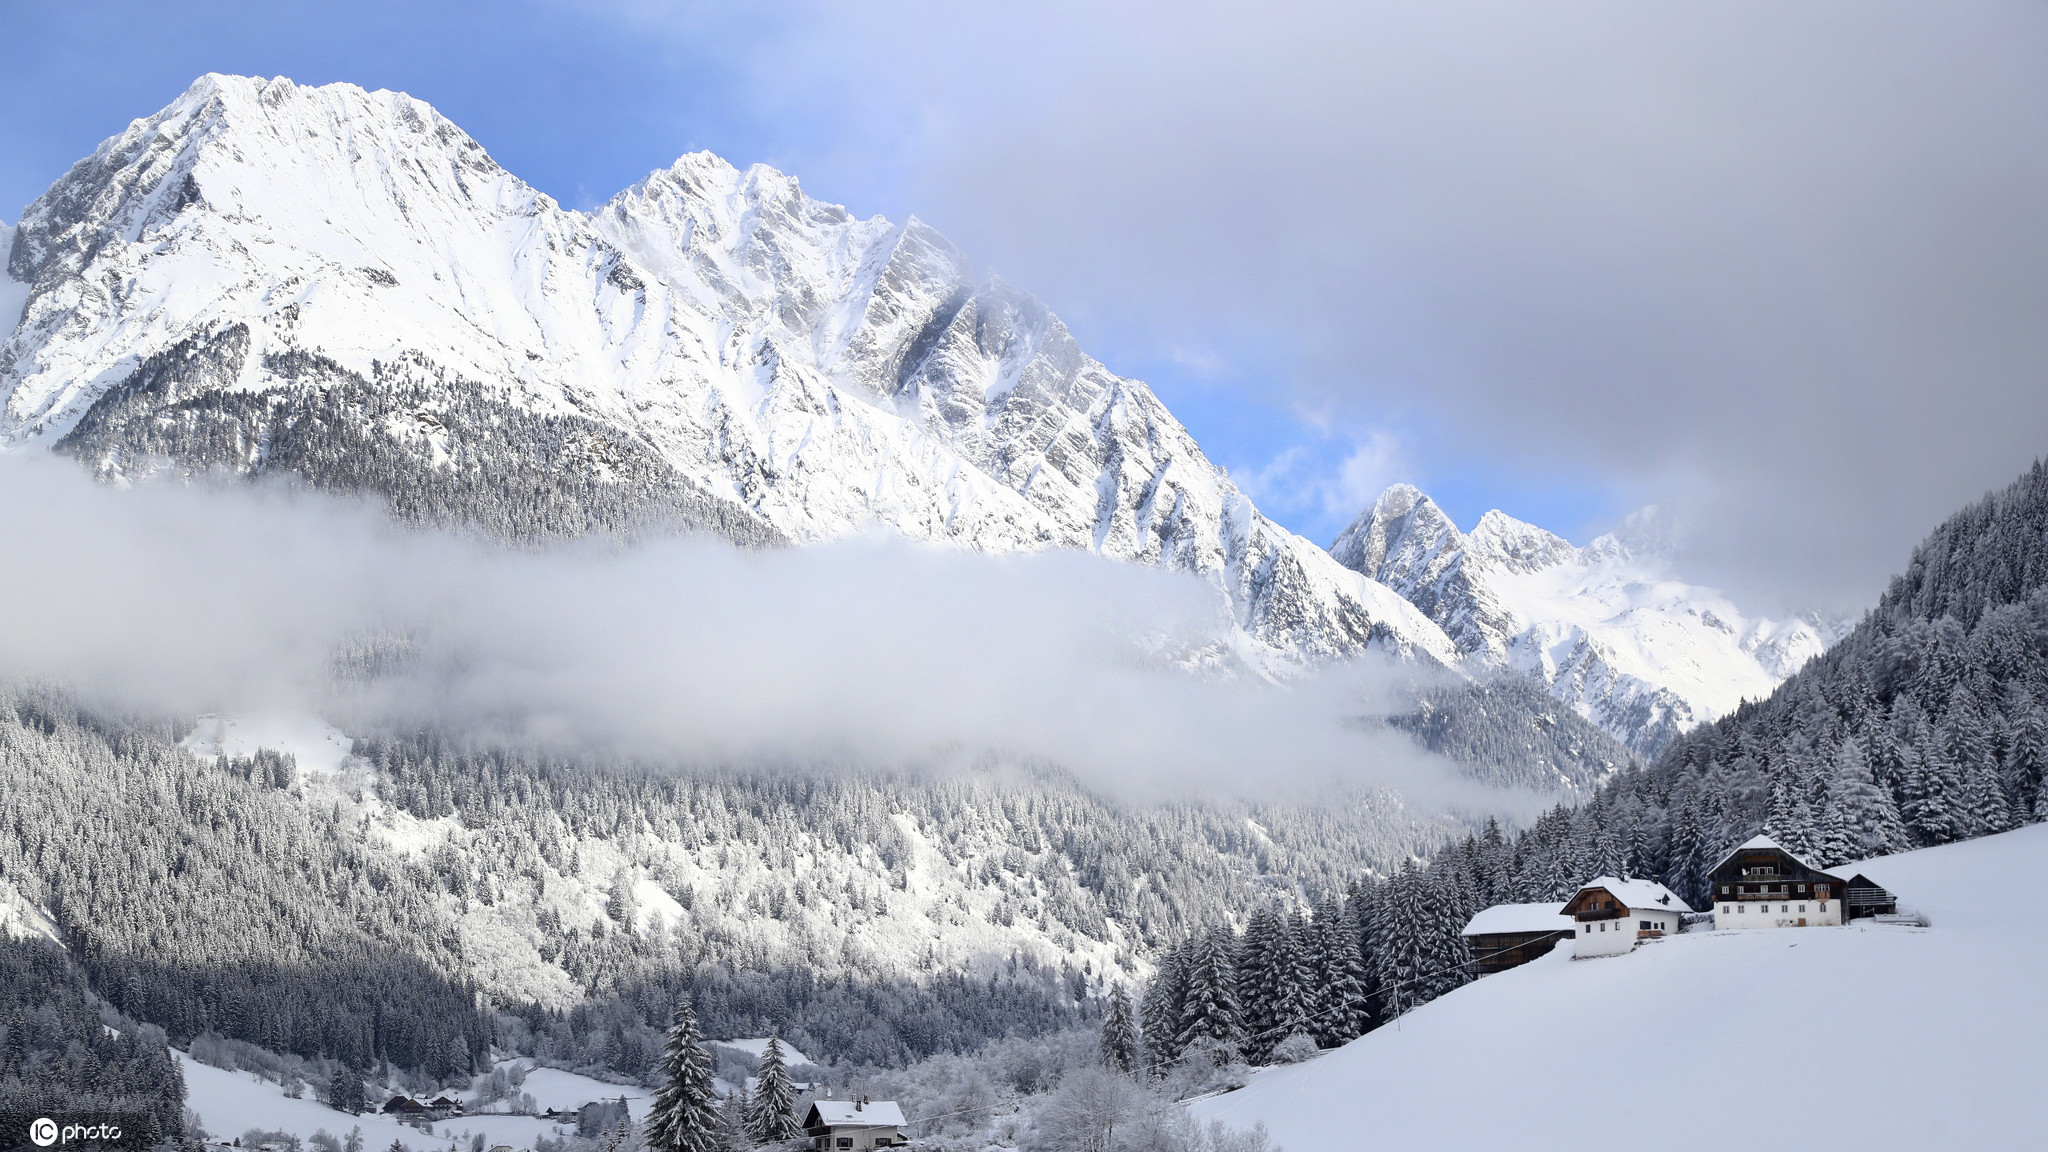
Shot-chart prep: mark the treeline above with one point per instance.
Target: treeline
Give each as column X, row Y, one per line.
column 198, row 896
column 63, row 1053
column 1225, row 996
column 275, row 908
column 441, row 451
column 1509, row 731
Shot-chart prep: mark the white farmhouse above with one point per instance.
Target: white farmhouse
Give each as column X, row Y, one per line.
column 857, row 1124
column 1761, row 885
column 1612, row 914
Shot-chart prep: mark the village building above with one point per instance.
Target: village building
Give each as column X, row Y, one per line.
column 1761, row 885
column 444, row 1107
column 857, row 1124
column 1611, row 914
column 1509, row 935
column 404, row 1106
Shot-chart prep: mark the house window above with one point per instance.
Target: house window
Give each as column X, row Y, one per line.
column 1724, row 909
column 1823, row 905
column 1802, row 907
column 1784, row 907
column 844, row 1142
column 1647, row 925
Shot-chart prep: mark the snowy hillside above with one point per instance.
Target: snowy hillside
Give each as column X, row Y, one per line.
column 343, row 285
column 1612, row 632
column 1867, row 1037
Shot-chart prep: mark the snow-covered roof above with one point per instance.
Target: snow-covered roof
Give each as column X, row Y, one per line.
column 844, row 1112
column 1759, row 841
column 1519, row 918
column 1645, row 895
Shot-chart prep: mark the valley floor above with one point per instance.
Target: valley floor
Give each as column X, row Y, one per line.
column 231, row 1103
column 1866, row 1037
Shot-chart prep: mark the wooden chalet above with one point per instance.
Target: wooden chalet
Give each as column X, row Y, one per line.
column 855, row 1124
column 1866, row 897
column 404, row 1106
column 1761, row 885
column 1611, row 914
column 1509, row 935
column 445, row 1106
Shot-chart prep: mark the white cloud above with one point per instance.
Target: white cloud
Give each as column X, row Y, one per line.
column 869, row 652
column 1332, row 481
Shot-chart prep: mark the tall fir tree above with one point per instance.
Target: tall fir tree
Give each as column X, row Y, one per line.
column 1860, row 819
column 1161, row 1007
column 1120, row 1034
column 773, row 1116
column 1340, row 977
column 1211, row 1015
column 685, row 1115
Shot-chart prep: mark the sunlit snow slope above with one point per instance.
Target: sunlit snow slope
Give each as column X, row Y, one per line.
column 1607, row 627
column 1867, row 1037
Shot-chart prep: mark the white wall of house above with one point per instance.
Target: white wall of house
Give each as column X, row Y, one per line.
column 1786, row 912
column 1613, row 937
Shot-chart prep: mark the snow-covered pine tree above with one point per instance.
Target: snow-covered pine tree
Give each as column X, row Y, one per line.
column 1120, row 1034
column 1941, row 815
column 1985, row 807
column 2026, row 757
column 1860, row 820
column 1293, row 1006
column 1340, row 977
column 1211, row 1014
column 345, row 1089
column 1160, row 1008
column 774, row 1107
column 1255, row 982
column 1395, row 931
column 685, row 1114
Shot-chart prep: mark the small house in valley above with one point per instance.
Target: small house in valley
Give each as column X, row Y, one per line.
column 1611, row 914
column 1509, row 935
column 1762, row 885
column 855, row 1124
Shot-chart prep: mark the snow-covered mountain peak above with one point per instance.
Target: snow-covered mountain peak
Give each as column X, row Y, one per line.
column 1642, row 537
column 1402, row 522
column 1518, row 546
column 294, row 268
column 1607, row 627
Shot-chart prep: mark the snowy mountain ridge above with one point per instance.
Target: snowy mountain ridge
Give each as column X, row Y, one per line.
column 1606, row 627
column 261, row 259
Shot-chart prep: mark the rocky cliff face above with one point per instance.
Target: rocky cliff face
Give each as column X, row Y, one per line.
column 343, row 285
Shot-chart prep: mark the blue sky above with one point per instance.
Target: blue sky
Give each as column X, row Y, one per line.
column 1776, row 270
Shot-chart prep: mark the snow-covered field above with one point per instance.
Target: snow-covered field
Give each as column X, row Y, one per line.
column 317, row 745
column 1866, row 1037
column 231, row 1103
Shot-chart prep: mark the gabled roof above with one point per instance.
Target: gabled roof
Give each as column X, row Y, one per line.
column 1520, row 918
column 1638, row 895
column 842, row 1113
column 1757, row 841
column 1762, row 841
